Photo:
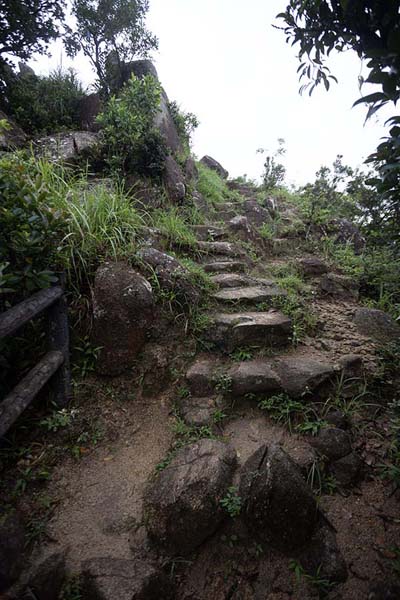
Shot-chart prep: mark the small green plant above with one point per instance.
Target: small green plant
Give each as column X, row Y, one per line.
column 319, row 480
column 173, row 226
column 232, row 502
column 282, row 409
column 218, row 416
column 267, row 231
column 322, row 584
column 223, row 383
column 58, row 419
column 85, row 357
column 242, row 354
column 183, row 392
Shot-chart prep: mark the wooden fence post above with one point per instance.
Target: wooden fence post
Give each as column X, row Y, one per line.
column 58, row 339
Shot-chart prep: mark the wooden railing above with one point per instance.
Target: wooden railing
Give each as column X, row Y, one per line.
column 54, row 365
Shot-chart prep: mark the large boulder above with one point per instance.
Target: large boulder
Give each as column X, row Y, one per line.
column 68, row 147
column 339, row 286
column 322, row 556
column 11, row 549
column 171, row 274
column 110, row 578
column 214, row 165
column 89, row 107
column 256, row 214
column 312, row 266
column 377, row 324
column 279, row 507
column 123, row 312
column 46, row 576
column 11, row 135
column 348, row 233
column 301, row 374
column 183, row 504
column 332, row 442
column 174, row 180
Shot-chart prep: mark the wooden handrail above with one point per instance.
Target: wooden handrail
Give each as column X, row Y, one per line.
column 23, row 394
column 54, row 365
column 17, row 316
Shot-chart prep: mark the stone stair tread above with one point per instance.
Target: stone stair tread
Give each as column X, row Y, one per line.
column 223, row 265
column 220, row 248
column 232, row 280
column 294, row 374
column 265, row 329
column 252, row 293
column 209, row 232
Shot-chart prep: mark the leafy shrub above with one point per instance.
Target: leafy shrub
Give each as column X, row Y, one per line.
column 45, row 104
column 31, row 230
column 131, row 144
column 185, row 123
column 213, row 187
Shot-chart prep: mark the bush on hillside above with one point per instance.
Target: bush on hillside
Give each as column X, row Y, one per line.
column 45, row 104
column 131, row 144
column 31, row 230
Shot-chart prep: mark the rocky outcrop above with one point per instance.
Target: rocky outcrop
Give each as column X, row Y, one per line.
column 301, row 374
column 339, row 286
column 123, row 312
column 256, row 214
column 68, row 147
column 214, row 165
column 333, row 443
column 312, row 266
column 278, row 506
column 89, row 107
column 171, row 274
column 110, row 578
column 182, row 505
column 377, row 325
column 347, row 233
column 12, row 541
column 11, row 135
column 322, row 556
column 174, row 180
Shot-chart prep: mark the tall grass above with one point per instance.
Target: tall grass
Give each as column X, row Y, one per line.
column 214, row 188
column 174, row 227
column 100, row 222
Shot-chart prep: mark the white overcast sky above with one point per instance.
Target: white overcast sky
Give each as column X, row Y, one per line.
column 223, row 61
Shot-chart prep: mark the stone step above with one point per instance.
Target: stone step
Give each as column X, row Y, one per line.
column 199, row 412
column 249, row 294
column 230, row 280
column 234, row 280
column 207, row 233
column 269, row 329
column 293, row 374
column 222, row 266
column 220, row 248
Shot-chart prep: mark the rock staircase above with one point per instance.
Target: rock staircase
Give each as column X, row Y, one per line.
column 235, row 324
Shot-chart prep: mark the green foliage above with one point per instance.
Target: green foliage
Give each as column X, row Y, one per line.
column 232, row 502
column 274, row 171
column 267, row 231
column 174, row 227
column 319, row 480
column 320, row 26
column 185, row 434
column 58, row 420
column 130, row 142
column 31, row 230
column 380, row 281
column 109, row 33
column 85, row 356
column 46, row 104
column 291, row 413
column 322, row 584
column 26, row 28
column 242, row 354
column 213, row 188
column 185, row 123
column 72, row 589
column 343, row 257
column 223, row 383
